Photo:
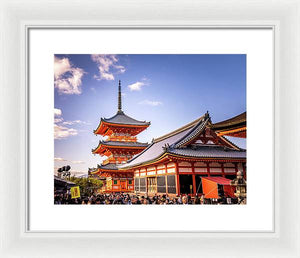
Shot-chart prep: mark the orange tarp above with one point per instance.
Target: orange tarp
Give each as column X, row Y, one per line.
column 210, row 186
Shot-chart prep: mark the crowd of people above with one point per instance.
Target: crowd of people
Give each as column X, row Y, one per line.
column 129, row 199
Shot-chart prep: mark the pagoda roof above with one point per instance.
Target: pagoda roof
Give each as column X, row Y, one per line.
column 178, row 143
column 123, row 144
column 109, row 166
column 121, row 121
column 120, row 118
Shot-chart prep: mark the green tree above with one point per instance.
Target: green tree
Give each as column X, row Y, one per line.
column 87, row 185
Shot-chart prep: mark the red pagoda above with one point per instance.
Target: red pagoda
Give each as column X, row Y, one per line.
column 120, row 145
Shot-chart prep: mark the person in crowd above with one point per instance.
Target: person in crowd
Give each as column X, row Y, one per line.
column 179, row 199
column 197, row 200
column 135, row 199
column 184, row 200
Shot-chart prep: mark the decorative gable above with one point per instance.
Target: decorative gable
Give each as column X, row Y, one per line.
column 202, row 134
column 209, row 137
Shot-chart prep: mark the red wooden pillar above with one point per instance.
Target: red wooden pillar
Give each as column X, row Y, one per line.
column 208, row 168
column 146, row 178
column 177, row 179
column 194, row 179
column 236, row 167
column 223, row 171
column 166, row 179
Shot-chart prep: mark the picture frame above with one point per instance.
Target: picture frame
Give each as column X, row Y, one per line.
column 281, row 16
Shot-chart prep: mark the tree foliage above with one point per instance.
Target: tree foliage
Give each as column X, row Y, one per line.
column 87, row 185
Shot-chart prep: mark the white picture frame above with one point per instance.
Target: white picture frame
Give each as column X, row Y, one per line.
column 283, row 16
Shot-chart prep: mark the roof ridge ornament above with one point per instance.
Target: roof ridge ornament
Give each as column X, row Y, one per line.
column 207, row 116
column 120, row 98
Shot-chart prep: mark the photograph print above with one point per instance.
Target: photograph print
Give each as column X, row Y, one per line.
column 150, row 129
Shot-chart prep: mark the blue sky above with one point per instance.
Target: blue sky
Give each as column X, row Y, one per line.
column 168, row 90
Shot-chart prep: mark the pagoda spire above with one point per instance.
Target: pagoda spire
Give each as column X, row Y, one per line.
column 120, row 98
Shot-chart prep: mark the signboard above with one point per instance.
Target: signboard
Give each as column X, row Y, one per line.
column 75, row 192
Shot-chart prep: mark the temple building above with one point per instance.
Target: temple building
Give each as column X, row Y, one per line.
column 194, row 159
column 120, row 144
column 188, row 160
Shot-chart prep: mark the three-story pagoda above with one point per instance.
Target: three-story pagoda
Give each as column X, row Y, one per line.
column 120, row 145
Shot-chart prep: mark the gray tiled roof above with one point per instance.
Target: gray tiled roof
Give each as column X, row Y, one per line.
column 155, row 149
column 208, row 152
column 63, row 180
column 122, row 118
column 110, row 166
column 174, row 142
column 121, row 143
column 193, row 133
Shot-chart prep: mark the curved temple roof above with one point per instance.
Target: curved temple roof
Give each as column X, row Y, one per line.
column 237, row 121
column 235, row 126
column 122, row 119
column 116, row 144
column 174, row 144
column 110, row 166
column 209, row 152
column 123, row 144
column 157, row 147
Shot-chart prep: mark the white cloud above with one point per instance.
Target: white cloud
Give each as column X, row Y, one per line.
column 150, row 103
column 68, row 123
column 120, row 68
column 74, row 122
column 137, row 86
column 77, row 161
column 107, row 66
column 67, row 79
column 57, row 112
column 61, row 132
column 60, row 129
column 58, row 120
column 59, row 159
column 57, row 115
column 61, row 66
column 72, row 161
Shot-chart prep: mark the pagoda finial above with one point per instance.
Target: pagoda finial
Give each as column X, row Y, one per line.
column 120, row 98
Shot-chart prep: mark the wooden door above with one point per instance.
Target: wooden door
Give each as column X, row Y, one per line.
column 123, row 185
column 152, row 185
